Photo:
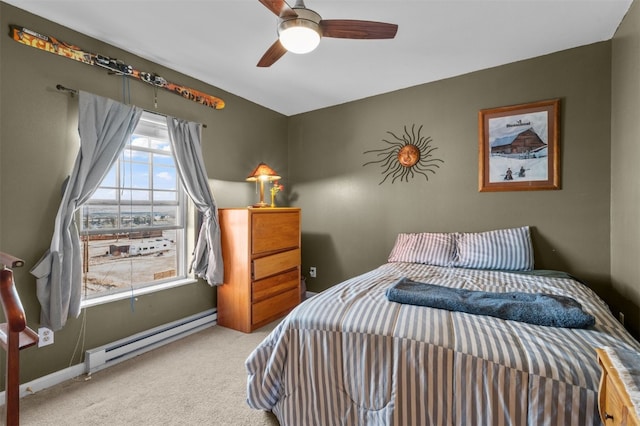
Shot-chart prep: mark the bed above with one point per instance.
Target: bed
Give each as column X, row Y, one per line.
column 350, row 356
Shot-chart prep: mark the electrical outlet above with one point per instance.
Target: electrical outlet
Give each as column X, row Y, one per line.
column 312, row 272
column 45, row 337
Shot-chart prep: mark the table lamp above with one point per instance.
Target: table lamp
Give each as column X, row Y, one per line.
column 262, row 174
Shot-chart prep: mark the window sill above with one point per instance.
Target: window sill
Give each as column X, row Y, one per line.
column 136, row 292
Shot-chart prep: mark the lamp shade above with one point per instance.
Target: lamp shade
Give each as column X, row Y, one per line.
column 264, row 173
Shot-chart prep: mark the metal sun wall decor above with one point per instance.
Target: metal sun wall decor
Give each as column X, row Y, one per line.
column 406, row 156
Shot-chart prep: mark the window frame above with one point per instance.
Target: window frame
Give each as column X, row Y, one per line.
column 184, row 221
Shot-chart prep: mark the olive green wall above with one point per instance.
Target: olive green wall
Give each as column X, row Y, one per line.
column 350, row 221
column 39, row 144
column 625, row 175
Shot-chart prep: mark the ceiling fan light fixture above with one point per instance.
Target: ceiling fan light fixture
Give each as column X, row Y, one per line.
column 301, row 34
column 299, row 39
column 300, row 30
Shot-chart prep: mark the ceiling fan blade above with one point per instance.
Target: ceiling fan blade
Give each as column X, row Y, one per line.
column 272, row 54
column 350, row 28
column 279, row 7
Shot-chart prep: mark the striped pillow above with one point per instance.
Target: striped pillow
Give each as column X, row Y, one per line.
column 506, row 249
column 431, row 248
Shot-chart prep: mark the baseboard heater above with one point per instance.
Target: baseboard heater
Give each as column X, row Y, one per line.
column 121, row 350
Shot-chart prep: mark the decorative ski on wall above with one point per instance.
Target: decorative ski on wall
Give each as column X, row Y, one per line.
column 61, row 48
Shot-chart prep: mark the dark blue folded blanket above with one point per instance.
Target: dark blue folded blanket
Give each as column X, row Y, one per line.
column 534, row 308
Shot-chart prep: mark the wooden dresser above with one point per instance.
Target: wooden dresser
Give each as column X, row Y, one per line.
column 261, row 253
column 614, row 401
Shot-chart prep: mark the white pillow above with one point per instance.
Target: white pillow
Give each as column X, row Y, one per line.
column 431, row 248
column 504, row 249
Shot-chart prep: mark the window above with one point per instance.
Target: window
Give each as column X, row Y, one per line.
column 133, row 226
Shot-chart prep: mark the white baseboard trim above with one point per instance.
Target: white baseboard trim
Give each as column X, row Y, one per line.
column 60, row 376
column 50, row 380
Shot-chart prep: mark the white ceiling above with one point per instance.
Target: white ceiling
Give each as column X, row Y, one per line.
column 220, row 42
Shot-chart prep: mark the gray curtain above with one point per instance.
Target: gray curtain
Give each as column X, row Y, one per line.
column 185, row 141
column 105, row 126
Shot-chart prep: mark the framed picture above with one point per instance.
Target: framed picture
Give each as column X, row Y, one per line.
column 518, row 147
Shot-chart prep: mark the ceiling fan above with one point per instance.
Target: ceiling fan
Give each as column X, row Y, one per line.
column 300, row 30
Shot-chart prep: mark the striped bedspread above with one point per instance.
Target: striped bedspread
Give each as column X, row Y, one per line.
column 348, row 356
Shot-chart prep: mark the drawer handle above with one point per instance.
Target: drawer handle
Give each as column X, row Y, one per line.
column 607, row 416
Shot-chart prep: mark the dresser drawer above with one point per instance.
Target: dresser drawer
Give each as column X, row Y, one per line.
column 275, row 231
column 274, row 307
column 268, row 287
column 275, row 263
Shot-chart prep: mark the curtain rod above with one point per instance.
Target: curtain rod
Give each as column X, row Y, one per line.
column 74, row 92
column 66, row 89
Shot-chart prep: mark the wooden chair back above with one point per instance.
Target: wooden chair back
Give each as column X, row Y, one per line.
column 14, row 336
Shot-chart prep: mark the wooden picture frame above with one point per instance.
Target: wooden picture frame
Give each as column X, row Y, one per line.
column 518, row 147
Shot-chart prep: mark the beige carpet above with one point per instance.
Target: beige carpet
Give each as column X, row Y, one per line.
column 198, row 380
